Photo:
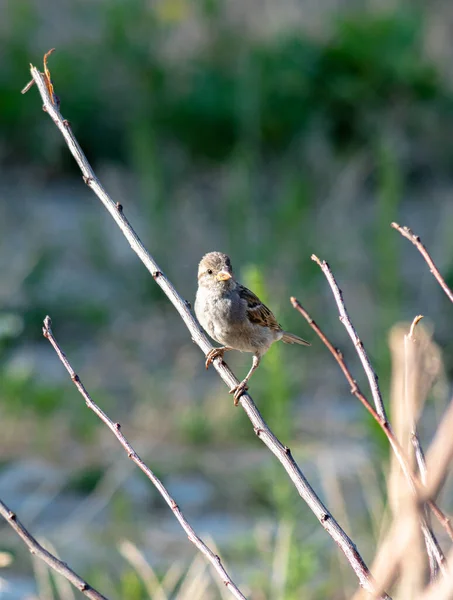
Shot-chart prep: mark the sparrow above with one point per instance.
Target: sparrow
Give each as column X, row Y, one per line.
column 234, row 316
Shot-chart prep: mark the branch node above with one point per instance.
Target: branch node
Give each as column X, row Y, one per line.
column 118, row 426
column 75, row 378
column 156, row 274
column 258, row 431
column 88, row 180
column 325, row 517
column 119, row 207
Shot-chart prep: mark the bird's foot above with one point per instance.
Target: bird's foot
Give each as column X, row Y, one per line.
column 238, row 390
column 214, row 353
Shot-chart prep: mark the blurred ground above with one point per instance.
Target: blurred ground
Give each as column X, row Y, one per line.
column 266, row 134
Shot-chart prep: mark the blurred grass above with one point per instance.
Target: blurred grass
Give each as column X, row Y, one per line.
column 178, row 95
column 123, row 92
column 238, row 104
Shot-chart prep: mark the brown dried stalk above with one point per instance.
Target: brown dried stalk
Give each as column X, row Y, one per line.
column 53, row 562
column 412, row 479
column 260, row 427
column 435, row 549
column 439, row 455
column 443, row 588
column 432, row 488
column 115, row 428
column 411, row 410
column 415, row 239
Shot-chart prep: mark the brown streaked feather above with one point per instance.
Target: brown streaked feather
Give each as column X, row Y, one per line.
column 257, row 312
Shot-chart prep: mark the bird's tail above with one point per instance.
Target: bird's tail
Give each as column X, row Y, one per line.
column 290, row 338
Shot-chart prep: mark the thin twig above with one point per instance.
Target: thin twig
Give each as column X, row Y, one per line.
column 260, row 427
column 384, row 424
column 53, row 562
column 115, row 428
column 344, row 318
column 413, row 481
column 415, row 239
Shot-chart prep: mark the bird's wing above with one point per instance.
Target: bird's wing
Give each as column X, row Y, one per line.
column 257, row 312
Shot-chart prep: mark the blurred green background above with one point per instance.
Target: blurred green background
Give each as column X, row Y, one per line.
column 265, row 130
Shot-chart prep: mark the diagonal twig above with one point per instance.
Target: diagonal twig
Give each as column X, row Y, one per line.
column 413, row 480
column 434, row 547
column 260, row 427
column 415, row 239
column 54, row 563
column 115, row 428
column 346, row 321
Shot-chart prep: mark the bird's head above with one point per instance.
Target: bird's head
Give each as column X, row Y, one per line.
column 215, row 271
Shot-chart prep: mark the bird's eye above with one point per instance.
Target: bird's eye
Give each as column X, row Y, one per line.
column 209, row 271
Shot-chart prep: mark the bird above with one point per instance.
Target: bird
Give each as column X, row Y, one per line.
column 234, row 316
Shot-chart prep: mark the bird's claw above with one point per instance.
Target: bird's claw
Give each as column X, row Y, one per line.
column 212, row 354
column 238, row 390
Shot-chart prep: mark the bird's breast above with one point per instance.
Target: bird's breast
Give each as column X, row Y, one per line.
column 225, row 319
column 219, row 315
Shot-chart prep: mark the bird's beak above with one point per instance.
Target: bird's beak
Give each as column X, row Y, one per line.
column 223, row 276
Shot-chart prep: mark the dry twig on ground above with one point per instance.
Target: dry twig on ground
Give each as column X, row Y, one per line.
column 53, row 562
column 283, row 453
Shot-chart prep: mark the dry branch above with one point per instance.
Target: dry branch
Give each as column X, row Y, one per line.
column 430, row 539
column 415, row 239
column 413, row 481
column 53, row 562
column 346, row 321
column 283, row 453
column 443, row 456
column 115, row 428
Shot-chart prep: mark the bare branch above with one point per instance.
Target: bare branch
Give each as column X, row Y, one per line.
column 435, row 549
column 115, row 428
column 415, row 239
column 53, row 562
column 260, row 427
column 412, row 480
column 344, row 318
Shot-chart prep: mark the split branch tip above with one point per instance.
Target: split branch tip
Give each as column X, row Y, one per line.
column 415, row 322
